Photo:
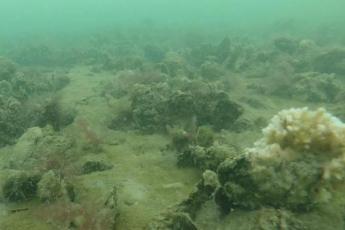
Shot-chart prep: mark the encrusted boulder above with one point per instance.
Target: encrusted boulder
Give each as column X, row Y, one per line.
column 296, row 165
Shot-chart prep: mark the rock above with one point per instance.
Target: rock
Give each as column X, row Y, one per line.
column 205, row 158
column 286, row 45
column 50, row 187
column 331, row 61
column 20, row 187
column 181, row 221
column 94, row 166
column 7, row 69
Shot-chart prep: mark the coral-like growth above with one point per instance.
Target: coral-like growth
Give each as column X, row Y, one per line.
column 305, row 130
column 295, row 165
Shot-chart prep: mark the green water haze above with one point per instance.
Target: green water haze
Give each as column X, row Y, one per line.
column 172, row 114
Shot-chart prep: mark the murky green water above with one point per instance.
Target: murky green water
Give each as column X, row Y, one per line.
column 169, row 114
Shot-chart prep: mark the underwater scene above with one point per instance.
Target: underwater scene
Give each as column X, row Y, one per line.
column 172, row 114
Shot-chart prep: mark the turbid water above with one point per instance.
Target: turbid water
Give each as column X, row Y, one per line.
column 180, row 115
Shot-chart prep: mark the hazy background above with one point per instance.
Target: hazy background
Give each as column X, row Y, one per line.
column 56, row 16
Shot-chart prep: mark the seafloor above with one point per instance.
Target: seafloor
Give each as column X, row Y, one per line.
column 123, row 132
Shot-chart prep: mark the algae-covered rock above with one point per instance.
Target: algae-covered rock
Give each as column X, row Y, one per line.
column 224, row 49
column 51, row 113
column 7, row 69
column 211, row 71
column 50, row 187
column 126, row 82
column 175, row 64
column 202, row 193
column 173, row 221
column 285, row 44
column 271, row 219
column 98, row 215
column 305, row 86
column 201, row 53
column 29, row 82
column 183, row 214
column 6, row 88
column 180, row 139
column 153, row 53
column 185, row 104
column 94, row 166
column 148, row 109
column 181, row 105
column 12, row 120
column 181, row 221
column 226, row 112
column 20, row 187
column 249, row 188
column 205, row 136
column 237, row 187
column 331, row 61
column 129, row 62
column 155, row 107
column 216, row 109
column 39, row 148
column 204, row 157
column 20, row 92
column 315, row 87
